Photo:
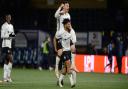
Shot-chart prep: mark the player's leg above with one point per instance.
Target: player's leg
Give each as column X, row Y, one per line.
column 73, row 54
column 73, row 50
column 5, row 68
column 7, row 65
column 62, row 74
column 58, row 49
column 110, row 62
column 5, row 72
column 10, row 58
column 73, row 67
column 57, row 62
column 68, row 66
column 57, row 58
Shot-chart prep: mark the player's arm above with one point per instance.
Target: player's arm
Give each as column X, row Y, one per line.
column 4, row 33
column 73, row 38
column 59, row 12
column 55, row 44
column 12, row 34
column 57, row 36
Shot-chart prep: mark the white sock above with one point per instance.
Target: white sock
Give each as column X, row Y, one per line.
column 71, row 79
column 5, row 74
column 9, row 69
column 60, row 79
column 56, row 66
column 74, row 76
column 73, row 58
column 10, row 65
column 73, row 65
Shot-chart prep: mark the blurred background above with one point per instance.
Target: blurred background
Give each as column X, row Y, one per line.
column 96, row 22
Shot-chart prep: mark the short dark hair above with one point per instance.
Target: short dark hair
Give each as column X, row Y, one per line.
column 64, row 2
column 65, row 21
column 7, row 15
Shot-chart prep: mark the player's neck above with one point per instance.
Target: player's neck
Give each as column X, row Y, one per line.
column 65, row 11
column 68, row 30
column 8, row 22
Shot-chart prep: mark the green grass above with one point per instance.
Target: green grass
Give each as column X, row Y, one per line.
column 35, row 79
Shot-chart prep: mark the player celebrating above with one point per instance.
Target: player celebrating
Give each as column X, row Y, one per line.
column 60, row 15
column 7, row 34
column 66, row 55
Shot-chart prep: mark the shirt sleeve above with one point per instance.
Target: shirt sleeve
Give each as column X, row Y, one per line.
column 4, row 33
column 57, row 13
column 13, row 30
column 73, row 36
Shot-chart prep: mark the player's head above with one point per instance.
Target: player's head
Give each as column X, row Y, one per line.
column 67, row 24
column 66, row 6
column 8, row 18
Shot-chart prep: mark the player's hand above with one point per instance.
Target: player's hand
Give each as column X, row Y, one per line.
column 62, row 11
column 12, row 35
column 62, row 5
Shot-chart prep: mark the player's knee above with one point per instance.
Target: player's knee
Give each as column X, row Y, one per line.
column 73, row 49
column 64, row 73
column 69, row 72
column 60, row 51
column 8, row 58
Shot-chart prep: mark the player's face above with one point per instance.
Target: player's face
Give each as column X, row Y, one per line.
column 8, row 18
column 66, row 7
column 68, row 26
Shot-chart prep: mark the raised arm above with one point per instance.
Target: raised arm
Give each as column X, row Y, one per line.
column 59, row 12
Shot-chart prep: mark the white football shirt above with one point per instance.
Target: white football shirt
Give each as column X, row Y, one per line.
column 6, row 30
column 65, row 40
column 60, row 19
column 60, row 26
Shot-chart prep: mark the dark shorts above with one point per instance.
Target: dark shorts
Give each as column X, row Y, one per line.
column 5, row 52
column 58, row 44
column 66, row 56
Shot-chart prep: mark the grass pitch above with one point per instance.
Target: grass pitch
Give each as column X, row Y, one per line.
column 35, row 79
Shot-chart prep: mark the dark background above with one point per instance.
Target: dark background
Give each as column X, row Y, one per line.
column 27, row 15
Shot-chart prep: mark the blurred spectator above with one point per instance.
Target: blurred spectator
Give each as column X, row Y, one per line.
column 110, row 48
column 91, row 49
column 119, row 51
column 104, row 51
column 46, row 62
